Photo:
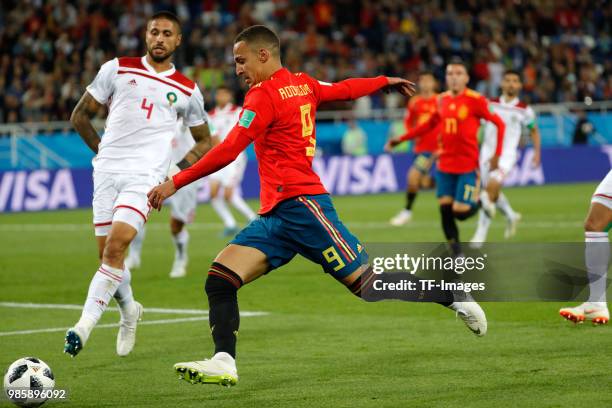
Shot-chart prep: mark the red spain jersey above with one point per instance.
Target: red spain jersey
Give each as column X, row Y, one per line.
column 278, row 115
column 418, row 111
column 459, row 117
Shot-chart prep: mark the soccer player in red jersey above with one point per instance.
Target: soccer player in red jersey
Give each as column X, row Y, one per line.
column 297, row 215
column 419, row 109
column 459, row 112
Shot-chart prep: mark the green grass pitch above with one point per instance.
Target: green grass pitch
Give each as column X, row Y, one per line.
column 318, row 346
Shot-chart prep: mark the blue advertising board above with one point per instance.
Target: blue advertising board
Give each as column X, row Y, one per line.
column 41, row 190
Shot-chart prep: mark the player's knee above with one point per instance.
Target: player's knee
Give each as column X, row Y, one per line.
column 222, row 282
column 176, row 226
column 462, row 213
column 114, row 250
column 594, row 224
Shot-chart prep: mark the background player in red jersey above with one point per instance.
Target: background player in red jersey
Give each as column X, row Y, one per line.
column 419, row 110
column 459, row 113
column 297, row 214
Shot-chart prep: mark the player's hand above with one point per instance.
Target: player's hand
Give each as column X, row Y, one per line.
column 391, row 143
column 535, row 162
column 401, row 85
column 494, row 162
column 158, row 194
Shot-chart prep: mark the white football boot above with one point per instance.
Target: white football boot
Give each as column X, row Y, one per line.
column 220, row 369
column 403, row 217
column 472, row 315
column 597, row 312
column 126, row 337
column 511, row 224
column 179, row 267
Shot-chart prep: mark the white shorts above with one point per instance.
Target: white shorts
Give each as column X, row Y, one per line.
column 603, row 193
column 120, row 197
column 183, row 203
column 232, row 174
column 506, row 163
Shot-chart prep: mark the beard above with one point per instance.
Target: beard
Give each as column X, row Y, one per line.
column 159, row 58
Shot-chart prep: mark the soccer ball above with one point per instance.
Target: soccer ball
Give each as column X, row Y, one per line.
column 26, row 379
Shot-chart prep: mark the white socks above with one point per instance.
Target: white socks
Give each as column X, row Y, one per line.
column 218, row 203
column 597, row 258
column 504, row 206
column 181, row 240
column 124, row 295
column 136, row 244
column 484, row 222
column 103, row 286
column 241, row 205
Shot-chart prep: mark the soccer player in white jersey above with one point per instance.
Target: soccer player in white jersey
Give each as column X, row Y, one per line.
column 182, row 205
column 597, row 257
column 144, row 96
column 222, row 119
column 516, row 115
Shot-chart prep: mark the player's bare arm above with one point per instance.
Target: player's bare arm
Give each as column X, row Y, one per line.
column 201, row 134
column 81, row 116
column 537, row 146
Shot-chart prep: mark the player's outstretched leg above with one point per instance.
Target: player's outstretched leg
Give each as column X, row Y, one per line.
column 597, row 258
column 405, row 215
column 512, row 217
column 180, row 238
column 361, row 282
column 482, row 230
column 221, row 287
column 132, row 261
column 103, row 285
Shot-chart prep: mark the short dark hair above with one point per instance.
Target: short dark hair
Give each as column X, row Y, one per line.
column 458, row 61
column 260, row 35
column 166, row 15
column 513, row 72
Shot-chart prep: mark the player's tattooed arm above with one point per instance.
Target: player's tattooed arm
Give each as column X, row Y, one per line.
column 201, row 134
column 537, row 146
column 84, row 111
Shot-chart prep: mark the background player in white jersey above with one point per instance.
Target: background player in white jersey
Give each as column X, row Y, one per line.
column 516, row 115
column 182, row 207
column 144, row 95
column 222, row 120
column 597, row 257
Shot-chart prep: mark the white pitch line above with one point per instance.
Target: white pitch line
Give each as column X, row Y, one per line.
column 215, row 226
column 116, row 309
column 107, row 325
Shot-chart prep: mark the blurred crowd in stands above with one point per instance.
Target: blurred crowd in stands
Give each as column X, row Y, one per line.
column 51, row 49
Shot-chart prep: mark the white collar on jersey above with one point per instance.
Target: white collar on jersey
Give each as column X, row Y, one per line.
column 512, row 102
column 152, row 70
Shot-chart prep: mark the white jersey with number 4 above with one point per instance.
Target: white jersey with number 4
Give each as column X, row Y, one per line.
column 144, row 106
column 516, row 115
